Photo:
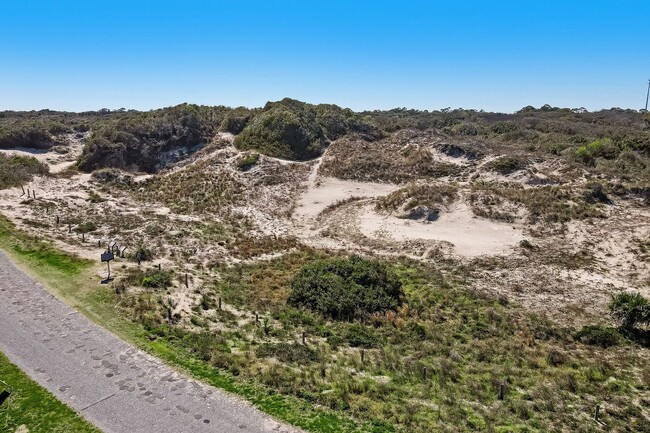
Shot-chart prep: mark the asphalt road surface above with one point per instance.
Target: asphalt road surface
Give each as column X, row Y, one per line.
column 117, row 387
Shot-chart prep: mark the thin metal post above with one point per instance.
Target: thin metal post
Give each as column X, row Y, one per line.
column 647, row 96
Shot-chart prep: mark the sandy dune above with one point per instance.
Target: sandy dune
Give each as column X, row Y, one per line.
column 471, row 236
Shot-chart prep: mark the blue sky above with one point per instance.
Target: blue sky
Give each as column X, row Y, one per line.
column 492, row 55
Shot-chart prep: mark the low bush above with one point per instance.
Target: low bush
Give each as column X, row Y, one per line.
column 506, row 165
column 86, row 227
column 598, row 336
column 361, row 336
column 16, row 170
column 630, row 309
column 141, row 253
column 151, row 278
column 344, row 288
column 247, row 161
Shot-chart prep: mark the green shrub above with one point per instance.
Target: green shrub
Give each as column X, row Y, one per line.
column 236, row 120
column 141, row 253
column 506, row 165
column 344, row 288
column 283, row 132
column 630, row 309
column 361, row 336
column 157, row 279
column 151, row 278
column 86, row 227
column 603, row 148
column 150, row 140
column 247, row 161
column 598, row 336
column 16, row 170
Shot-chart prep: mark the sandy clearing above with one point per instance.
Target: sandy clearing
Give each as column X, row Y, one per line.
column 327, row 191
column 471, row 236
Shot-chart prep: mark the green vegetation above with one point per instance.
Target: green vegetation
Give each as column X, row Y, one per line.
column 16, row 170
column 428, row 195
column 344, row 288
column 446, row 354
column 141, row 253
column 283, row 132
column 236, row 120
column 631, row 310
column 506, row 165
column 33, row 252
column 247, row 161
column 31, row 133
column 149, row 141
column 33, row 408
column 86, row 227
column 599, row 336
column 295, row 130
column 153, row 278
column 549, row 204
column 598, row 148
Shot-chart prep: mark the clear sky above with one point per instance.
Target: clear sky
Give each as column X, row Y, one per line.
column 379, row 54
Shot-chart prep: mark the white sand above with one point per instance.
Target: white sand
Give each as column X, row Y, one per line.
column 330, row 190
column 471, row 236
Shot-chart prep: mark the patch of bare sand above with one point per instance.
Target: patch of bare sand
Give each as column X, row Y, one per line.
column 327, row 191
column 471, row 236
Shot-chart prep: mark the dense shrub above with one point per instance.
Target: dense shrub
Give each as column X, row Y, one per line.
column 245, row 162
column 236, row 120
column 284, row 133
column 344, row 288
column 361, row 336
column 16, row 170
column 141, row 253
column 33, row 134
column 151, row 278
column 630, row 309
column 295, row 130
column 86, row 227
column 598, row 336
column 149, row 141
column 506, row 165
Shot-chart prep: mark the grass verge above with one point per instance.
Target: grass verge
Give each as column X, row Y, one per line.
column 31, row 408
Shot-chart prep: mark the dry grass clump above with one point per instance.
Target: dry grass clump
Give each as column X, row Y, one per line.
column 550, row 204
column 428, row 195
column 197, row 190
column 247, row 247
column 387, row 160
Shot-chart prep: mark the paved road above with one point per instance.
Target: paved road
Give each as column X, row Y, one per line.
column 115, row 386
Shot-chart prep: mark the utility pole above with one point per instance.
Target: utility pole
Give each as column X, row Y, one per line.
column 647, row 96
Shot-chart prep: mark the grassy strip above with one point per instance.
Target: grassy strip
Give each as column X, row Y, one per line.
column 31, row 408
column 73, row 280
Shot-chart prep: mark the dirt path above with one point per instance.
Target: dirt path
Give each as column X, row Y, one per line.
column 115, row 386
